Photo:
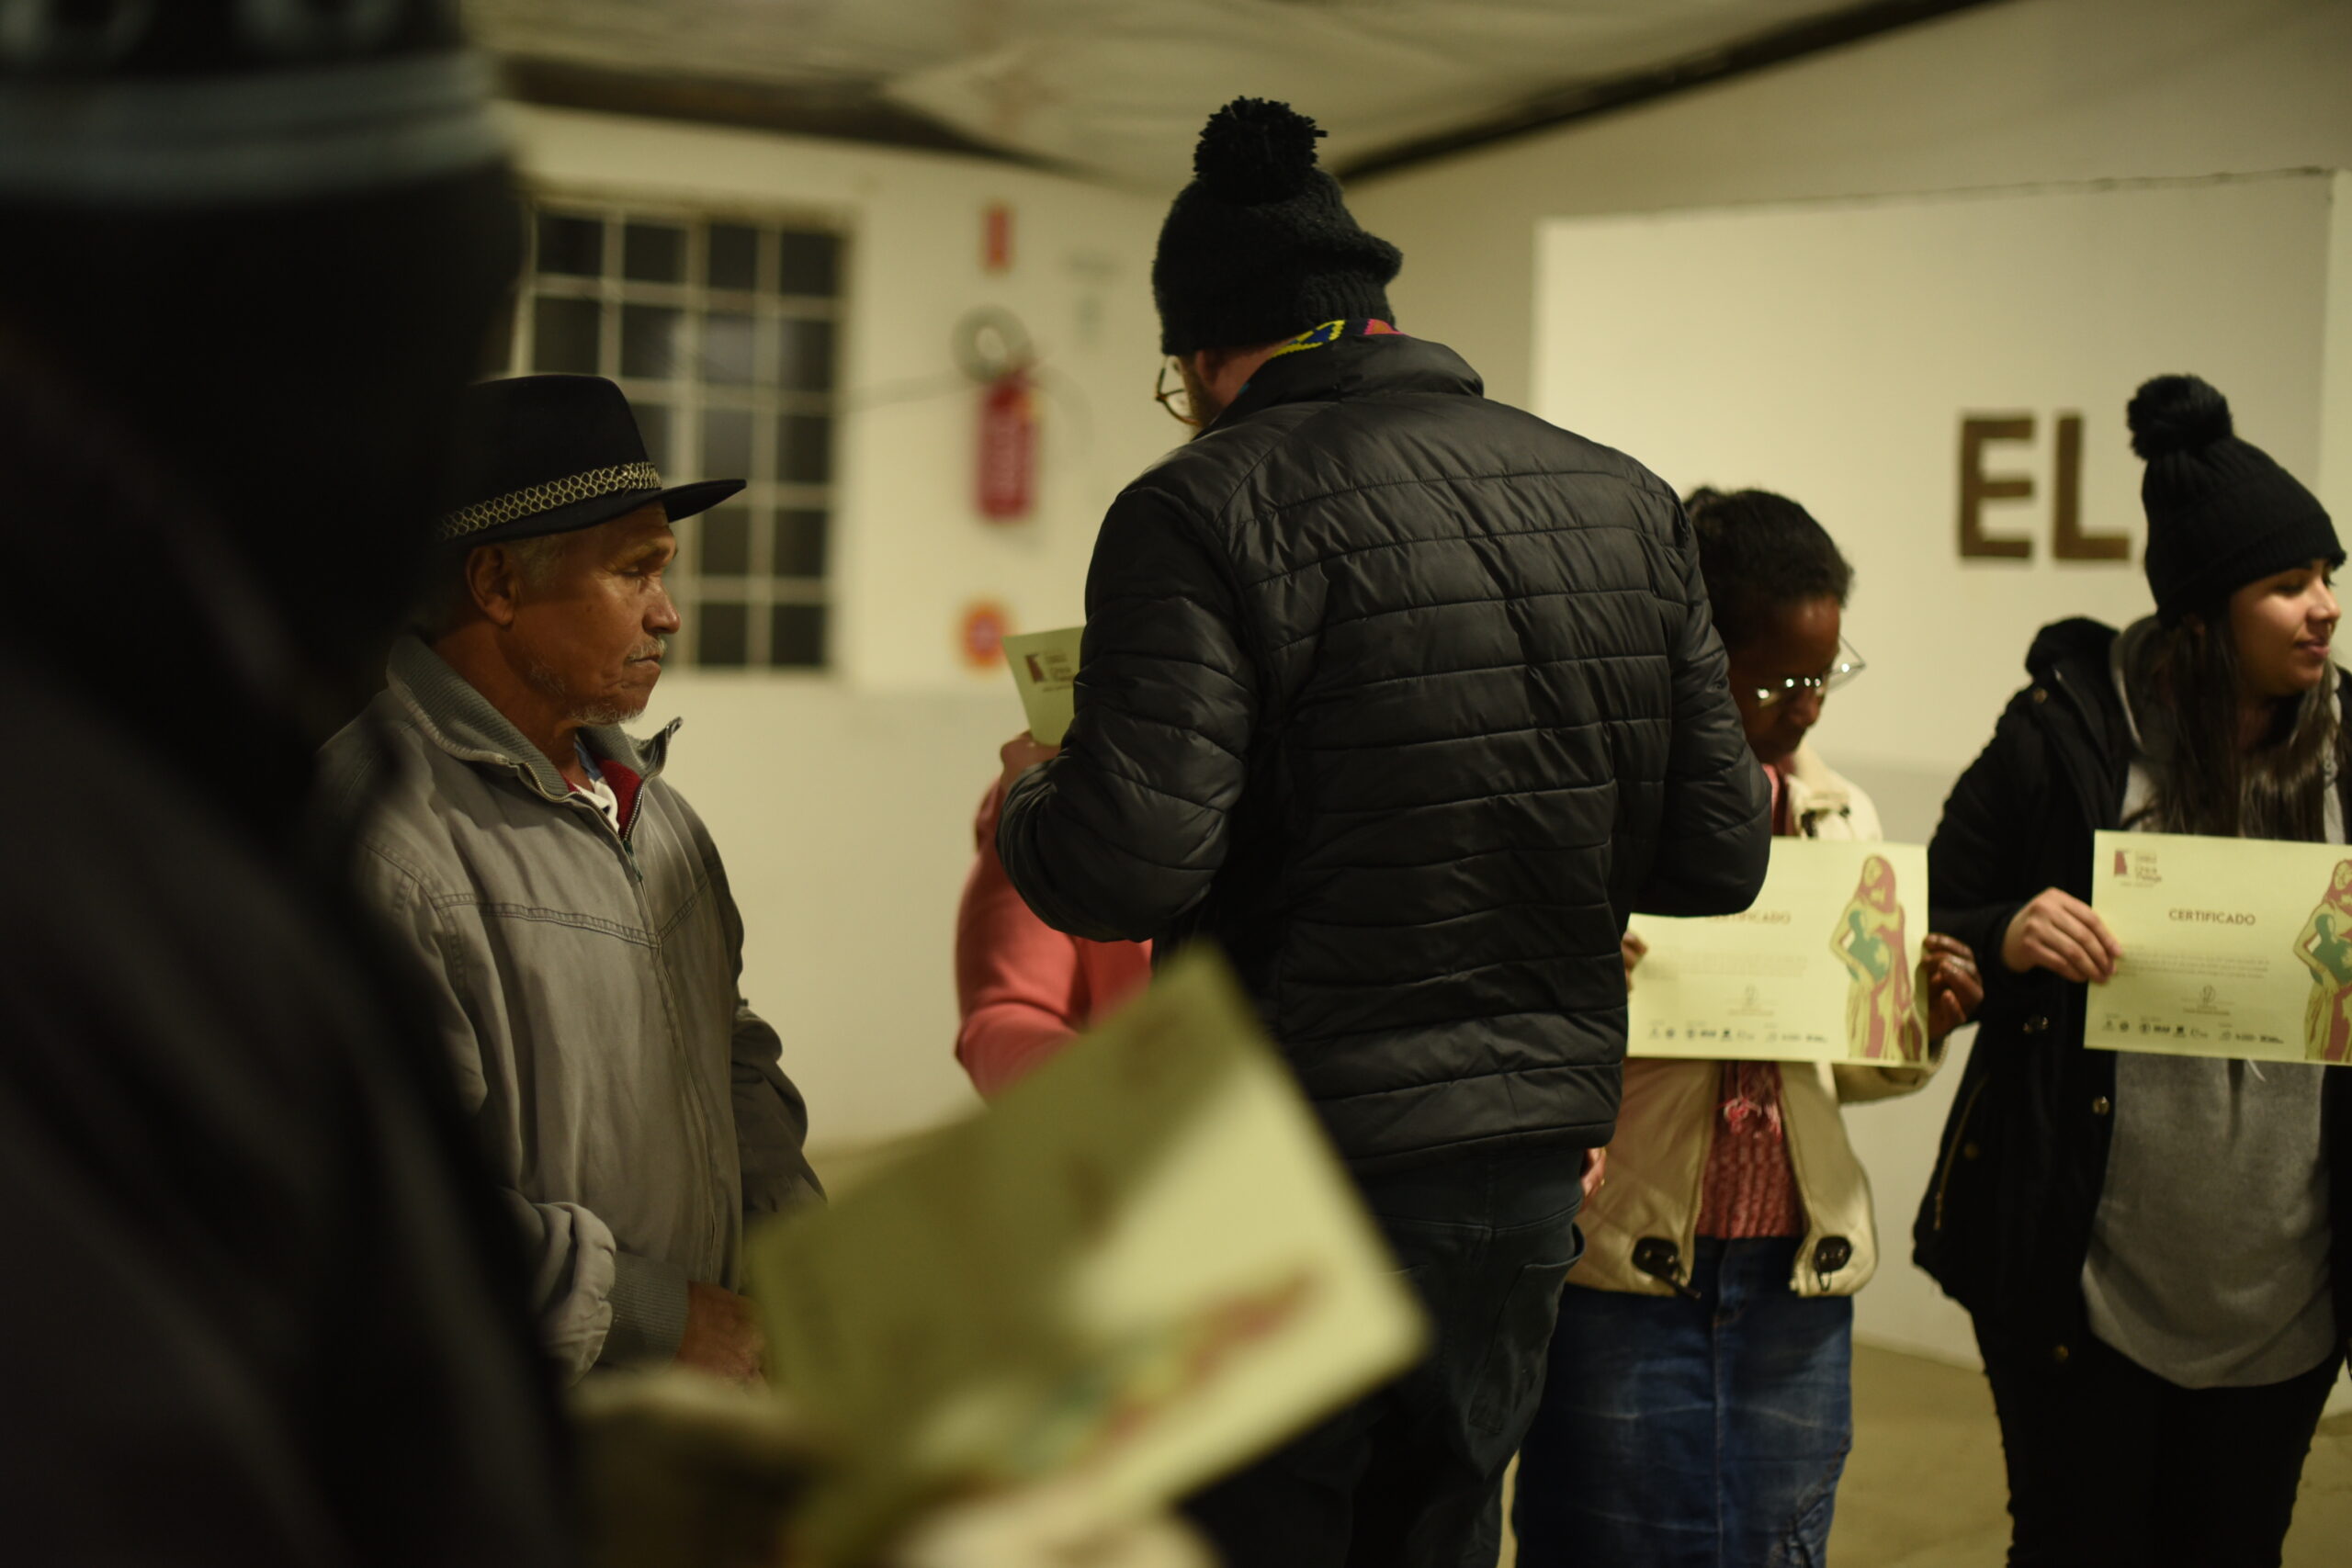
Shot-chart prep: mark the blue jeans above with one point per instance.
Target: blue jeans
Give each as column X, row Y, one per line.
column 1691, row 1433
column 1412, row 1476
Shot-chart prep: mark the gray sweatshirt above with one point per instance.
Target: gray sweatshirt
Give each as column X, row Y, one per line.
column 2209, row 1256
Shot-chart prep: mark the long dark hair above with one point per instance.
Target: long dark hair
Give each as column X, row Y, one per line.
column 2279, row 789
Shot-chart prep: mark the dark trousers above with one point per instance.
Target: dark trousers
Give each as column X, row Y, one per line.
column 1705, row 1431
column 2111, row 1466
column 1412, row 1475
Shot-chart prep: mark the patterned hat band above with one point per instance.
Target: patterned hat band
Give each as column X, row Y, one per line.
column 534, row 498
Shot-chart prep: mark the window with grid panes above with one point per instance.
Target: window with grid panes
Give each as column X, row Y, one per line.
column 721, row 328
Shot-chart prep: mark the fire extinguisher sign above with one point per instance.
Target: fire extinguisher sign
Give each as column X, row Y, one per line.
column 1008, row 449
column 985, row 627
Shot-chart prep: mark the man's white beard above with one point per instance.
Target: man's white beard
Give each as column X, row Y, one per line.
column 603, row 716
column 597, row 715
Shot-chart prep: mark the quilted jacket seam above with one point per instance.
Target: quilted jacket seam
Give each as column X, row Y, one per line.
column 1495, row 909
column 1326, row 626
column 1186, row 729
column 1450, row 478
column 1458, row 1079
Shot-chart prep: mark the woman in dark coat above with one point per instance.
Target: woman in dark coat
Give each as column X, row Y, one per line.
column 2146, row 1243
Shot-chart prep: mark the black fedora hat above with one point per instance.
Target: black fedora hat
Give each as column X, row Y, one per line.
column 539, row 455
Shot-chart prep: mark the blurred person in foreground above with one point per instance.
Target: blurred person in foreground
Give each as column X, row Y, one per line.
column 262, row 1308
column 265, row 1306
column 559, row 901
column 1407, row 700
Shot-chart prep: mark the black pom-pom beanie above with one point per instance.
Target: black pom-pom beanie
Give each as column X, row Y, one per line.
column 2221, row 513
column 1260, row 246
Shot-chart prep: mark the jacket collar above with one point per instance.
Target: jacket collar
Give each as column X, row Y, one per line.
column 1352, row 362
column 1814, row 788
column 460, row 720
column 2074, row 701
column 2077, row 648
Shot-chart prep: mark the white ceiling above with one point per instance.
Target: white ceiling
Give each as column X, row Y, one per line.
column 1120, row 87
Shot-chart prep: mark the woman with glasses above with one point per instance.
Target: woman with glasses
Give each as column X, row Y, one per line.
column 2157, row 1250
column 1696, row 1409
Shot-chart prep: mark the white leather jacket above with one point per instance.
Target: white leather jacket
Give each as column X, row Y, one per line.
column 1639, row 1228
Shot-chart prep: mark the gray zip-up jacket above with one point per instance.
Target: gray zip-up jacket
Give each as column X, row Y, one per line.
column 629, row 1102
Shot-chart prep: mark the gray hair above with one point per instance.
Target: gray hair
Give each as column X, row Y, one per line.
column 448, row 600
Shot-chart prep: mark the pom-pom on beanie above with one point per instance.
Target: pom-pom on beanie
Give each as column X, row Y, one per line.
column 2221, row 513
column 1260, row 246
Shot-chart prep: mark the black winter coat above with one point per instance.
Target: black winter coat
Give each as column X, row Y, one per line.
column 2006, row 1224
column 1407, row 699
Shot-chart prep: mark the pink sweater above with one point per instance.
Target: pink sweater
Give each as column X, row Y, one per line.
column 1024, row 986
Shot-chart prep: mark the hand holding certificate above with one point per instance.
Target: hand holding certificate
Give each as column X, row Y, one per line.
column 1822, row 968
column 1044, row 671
column 2232, row 947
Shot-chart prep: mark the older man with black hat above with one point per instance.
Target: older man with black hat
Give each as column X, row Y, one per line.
column 564, row 905
column 1408, row 699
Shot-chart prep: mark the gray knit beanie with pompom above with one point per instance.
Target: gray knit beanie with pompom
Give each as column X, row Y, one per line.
column 1260, row 246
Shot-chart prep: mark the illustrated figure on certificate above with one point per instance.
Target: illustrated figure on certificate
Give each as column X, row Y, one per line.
column 1869, row 941
column 2326, row 948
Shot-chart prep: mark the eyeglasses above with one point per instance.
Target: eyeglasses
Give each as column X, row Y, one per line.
column 1177, row 400
column 1850, row 664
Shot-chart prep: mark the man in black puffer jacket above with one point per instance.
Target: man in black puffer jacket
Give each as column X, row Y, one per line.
column 1408, row 699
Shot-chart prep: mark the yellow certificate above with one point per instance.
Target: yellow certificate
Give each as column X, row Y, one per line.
column 2232, row 947
column 1823, row 968
column 1141, row 1267
column 1045, row 669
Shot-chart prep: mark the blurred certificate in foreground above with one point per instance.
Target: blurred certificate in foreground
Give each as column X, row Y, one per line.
column 1045, row 669
column 1141, row 1267
column 1823, row 968
column 2232, row 947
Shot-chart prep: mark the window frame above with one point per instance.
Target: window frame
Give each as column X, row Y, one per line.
column 687, row 395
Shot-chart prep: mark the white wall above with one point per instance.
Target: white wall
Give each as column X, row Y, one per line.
column 844, row 803
column 2008, row 95
column 910, row 550
column 845, row 820
column 1832, row 350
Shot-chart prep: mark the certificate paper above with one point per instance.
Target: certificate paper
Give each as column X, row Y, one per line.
column 1045, row 669
column 2232, row 947
column 1823, row 968
column 1141, row 1266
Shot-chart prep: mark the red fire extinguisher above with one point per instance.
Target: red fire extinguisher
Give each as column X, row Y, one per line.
column 1007, row 477
column 993, row 348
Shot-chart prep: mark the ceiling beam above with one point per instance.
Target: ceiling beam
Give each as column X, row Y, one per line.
column 1569, row 105
column 846, row 111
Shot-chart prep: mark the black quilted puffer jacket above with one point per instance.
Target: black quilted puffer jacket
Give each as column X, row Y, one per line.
column 1408, row 699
